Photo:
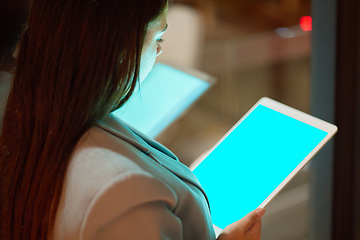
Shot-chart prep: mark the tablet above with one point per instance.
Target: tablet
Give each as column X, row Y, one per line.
column 258, row 157
column 162, row 97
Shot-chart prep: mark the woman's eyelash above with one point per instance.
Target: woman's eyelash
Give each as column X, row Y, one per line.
column 160, row 40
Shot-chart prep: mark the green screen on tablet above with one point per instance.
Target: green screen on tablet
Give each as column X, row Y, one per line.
column 253, row 160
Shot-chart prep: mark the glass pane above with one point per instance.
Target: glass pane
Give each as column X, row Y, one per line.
column 253, row 49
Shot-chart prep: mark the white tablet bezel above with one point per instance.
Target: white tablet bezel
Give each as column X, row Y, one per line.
column 291, row 112
column 305, row 118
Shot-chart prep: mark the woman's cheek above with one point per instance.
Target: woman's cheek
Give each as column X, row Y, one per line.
column 148, row 59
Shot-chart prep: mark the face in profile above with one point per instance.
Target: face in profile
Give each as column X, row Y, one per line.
column 152, row 44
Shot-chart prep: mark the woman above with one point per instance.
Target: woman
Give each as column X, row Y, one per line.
column 69, row 169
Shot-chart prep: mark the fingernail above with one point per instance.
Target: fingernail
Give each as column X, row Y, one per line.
column 260, row 212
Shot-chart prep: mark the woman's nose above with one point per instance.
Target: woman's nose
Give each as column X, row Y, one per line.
column 159, row 50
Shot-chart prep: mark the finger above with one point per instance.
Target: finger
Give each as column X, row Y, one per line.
column 255, row 231
column 256, row 226
column 250, row 219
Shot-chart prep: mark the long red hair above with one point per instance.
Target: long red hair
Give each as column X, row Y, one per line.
column 78, row 61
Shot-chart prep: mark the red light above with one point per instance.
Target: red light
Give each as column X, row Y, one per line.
column 306, row 23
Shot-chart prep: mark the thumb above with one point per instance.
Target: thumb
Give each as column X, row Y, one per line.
column 250, row 219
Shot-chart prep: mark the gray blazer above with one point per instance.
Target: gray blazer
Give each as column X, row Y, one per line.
column 123, row 185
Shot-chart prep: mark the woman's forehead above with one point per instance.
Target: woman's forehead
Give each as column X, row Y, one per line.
column 159, row 24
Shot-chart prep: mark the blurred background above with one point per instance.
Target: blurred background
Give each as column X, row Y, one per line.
column 262, row 48
column 253, row 49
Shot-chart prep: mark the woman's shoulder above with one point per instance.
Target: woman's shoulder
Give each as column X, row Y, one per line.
column 99, row 157
column 99, row 172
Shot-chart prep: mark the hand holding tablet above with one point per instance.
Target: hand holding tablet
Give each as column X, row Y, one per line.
column 247, row 228
column 258, row 157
